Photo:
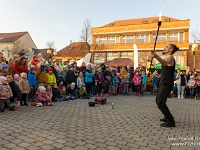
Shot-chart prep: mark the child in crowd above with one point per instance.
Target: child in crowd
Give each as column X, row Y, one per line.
column 113, row 84
column 56, row 94
column 5, row 68
column 81, row 85
column 99, row 79
column 63, row 93
column 49, row 92
column 175, row 90
column 123, row 72
column 5, row 88
column 16, row 79
column 126, row 83
column 71, row 91
column 197, row 90
column 51, row 79
column 25, row 88
column 32, row 80
column 155, row 81
column 143, row 83
column 41, row 96
column 137, row 81
column 119, row 79
column 191, row 84
column 59, row 78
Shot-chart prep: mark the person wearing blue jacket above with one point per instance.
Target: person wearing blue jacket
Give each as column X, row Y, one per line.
column 32, row 81
column 155, row 81
column 143, row 83
column 88, row 80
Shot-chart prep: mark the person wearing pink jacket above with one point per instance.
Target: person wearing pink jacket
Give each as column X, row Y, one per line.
column 137, row 83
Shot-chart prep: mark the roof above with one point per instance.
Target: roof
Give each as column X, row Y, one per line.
column 139, row 21
column 11, row 37
column 120, row 62
column 74, row 49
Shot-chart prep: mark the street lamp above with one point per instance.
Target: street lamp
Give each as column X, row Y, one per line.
column 51, row 52
column 194, row 48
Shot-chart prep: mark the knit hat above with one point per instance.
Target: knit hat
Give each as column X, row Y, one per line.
column 59, row 73
column 50, row 69
column 32, row 69
column 16, row 76
column 41, row 88
column 4, row 66
column 22, row 74
column 2, row 79
column 72, row 84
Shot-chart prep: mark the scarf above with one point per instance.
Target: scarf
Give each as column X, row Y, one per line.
column 183, row 83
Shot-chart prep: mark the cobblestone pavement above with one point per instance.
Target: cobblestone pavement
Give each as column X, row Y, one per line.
column 73, row 125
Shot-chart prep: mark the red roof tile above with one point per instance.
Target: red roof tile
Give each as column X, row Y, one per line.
column 74, row 49
column 10, row 37
column 137, row 21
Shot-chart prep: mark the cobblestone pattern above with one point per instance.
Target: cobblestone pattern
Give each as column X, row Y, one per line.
column 132, row 124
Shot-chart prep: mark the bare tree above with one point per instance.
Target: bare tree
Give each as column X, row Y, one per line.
column 50, row 44
column 196, row 35
column 86, row 34
column 98, row 52
column 144, row 58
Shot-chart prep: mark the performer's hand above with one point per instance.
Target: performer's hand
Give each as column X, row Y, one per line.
column 154, row 54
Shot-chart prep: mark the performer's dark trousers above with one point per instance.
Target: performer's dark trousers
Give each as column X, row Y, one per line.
column 161, row 99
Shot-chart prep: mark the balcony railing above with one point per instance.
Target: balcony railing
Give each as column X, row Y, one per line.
column 143, row 46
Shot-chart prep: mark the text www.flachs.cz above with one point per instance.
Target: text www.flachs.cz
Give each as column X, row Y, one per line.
column 186, row 144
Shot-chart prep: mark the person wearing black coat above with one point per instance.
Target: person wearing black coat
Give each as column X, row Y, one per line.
column 15, row 89
column 70, row 76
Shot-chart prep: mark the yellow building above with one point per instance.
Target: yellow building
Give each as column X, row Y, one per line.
column 117, row 38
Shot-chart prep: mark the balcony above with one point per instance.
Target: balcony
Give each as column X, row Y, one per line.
column 140, row 46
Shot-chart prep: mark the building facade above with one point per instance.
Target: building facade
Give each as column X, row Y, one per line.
column 117, row 38
column 13, row 43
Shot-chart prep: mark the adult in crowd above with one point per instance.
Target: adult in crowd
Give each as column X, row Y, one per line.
column 34, row 62
column 11, row 63
column 1, row 60
column 107, row 80
column 181, row 83
column 15, row 89
column 21, row 65
column 41, row 74
column 83, row 68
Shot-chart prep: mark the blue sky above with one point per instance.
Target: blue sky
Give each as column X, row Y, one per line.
column 62, row 20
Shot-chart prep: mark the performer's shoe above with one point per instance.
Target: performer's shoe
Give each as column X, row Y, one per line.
column 168, row 124
column 163, row 120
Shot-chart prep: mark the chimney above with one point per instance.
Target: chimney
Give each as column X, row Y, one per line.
column 70, row 41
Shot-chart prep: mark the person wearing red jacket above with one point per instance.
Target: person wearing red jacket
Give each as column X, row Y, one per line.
column 21, row 65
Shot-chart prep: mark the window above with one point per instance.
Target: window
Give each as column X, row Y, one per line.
column 112, row 55
column 177, row 36
column 113, row 39
column 79, row 48
column 98, row 58
column 161, row 37
column 142, row 38
column 101, row 40
column 70, row 48
column 128, row 39
column 127, row 55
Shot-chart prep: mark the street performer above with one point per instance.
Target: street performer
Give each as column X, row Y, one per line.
column 166, row 83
